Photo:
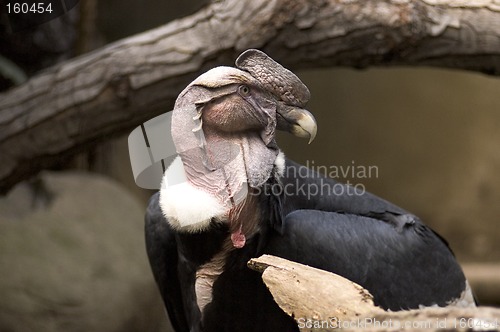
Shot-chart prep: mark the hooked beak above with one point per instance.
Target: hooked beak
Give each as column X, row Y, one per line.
column 297, row 121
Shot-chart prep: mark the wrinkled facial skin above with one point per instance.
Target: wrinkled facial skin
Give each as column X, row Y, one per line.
column 223, row 128
column 227, row 118
column 248, row 109
column 234, row 113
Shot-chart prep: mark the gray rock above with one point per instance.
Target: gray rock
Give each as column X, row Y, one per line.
column 72, row 258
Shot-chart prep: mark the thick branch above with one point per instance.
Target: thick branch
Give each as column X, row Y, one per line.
column 108, row 92
column 323, row 301
column 305, row 292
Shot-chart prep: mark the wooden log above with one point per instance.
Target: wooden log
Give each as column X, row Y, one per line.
column 323, row 301
column 305, row 292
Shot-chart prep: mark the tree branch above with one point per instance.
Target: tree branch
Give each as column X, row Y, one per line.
column 322, row 301
column 107, row 92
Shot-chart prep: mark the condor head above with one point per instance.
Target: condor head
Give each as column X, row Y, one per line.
column 223, row 127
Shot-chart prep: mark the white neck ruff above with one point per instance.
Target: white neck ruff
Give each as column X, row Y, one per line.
column 188, row 208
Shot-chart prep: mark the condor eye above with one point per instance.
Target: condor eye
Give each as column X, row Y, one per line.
column 244, row 90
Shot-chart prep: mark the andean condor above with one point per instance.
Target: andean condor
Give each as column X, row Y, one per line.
column 241, row 198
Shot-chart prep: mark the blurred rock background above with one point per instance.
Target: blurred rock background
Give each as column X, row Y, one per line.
column 72, row 257
column 72, row 254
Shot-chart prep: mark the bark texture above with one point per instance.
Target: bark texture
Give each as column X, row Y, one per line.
column 305, row 292
column 323, row 301
column 109, row 91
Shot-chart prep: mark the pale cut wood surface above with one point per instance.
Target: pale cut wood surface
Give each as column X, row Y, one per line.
column 323, row 301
